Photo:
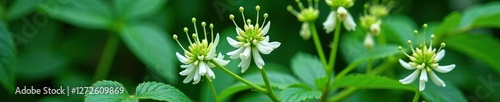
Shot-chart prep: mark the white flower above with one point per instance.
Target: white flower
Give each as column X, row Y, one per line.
column 344, row 16
column 251, row 42
column 306, row 15
column 368, row 42
column 305, row 32
column 375, row 28
column 197, row 59
column 424, row 60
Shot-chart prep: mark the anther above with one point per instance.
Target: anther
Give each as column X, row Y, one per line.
column 193, row 20
column 175, row 37
column 415, row 32
column 425, row 26
column 257, row 7
column 241, row 9
column 231, row 16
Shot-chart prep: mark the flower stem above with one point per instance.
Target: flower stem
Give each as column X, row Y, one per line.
column 268, row 85
column 213, row 90
column 317, row 44
column 343, row 94
column 417, row 95
column 106, row 58
column 333, row 52
column 258, row 88
column 369, row 66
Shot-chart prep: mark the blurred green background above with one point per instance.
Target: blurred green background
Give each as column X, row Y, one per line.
column 61, row 42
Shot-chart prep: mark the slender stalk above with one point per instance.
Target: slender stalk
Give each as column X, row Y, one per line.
column 268, row 85
column 213, row 90
column 333, row 52
column 317, row 44
column 347, row 69
column 258, row 88
column 417, row 95
column 343, row 94
column 369, row 66
column 106, row 58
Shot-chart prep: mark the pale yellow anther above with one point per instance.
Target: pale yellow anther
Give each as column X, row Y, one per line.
column 409, row 42
column 231, row 16
column 415, row 32
column 211, row 25
column 425, row 25
column 186, row 29
column 175, row 37
column 289, row 8
column 432, row 36
column 265, row 15
column 193, row 20
column 400, row 48
column 203, row 24
column 443, row 44
column 241, row 9
column 257, row 7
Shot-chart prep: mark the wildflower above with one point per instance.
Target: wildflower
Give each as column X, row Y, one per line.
column 197, row 58
column 306, row 16
column 424, row 60
column 251, row 41
column 340, row 14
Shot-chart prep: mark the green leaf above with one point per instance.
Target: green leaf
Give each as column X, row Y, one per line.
column 299, row 93
column 94, row 14
column 21, row 8
column 160, row 91
column 7, row 58
column 131, row 9
column 149, row 43
column 485, row 15
column 450, row 93
column 371, row 82
column 108, row 97
column 399, row 29
column 379, row 52
column 479, row 46
column 277, row 79
column 450, row 23
column 308, row 68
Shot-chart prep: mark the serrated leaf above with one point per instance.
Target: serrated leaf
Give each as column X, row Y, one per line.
column 160, row 91
column 299, row 93
column 450, row 93
column 485, row 15
column 277, row 79
column 450, row 23
column 479, row 46
column 132, row 9
column 7, row 58
column 308, row 68
column 371, row 82
column 108, row 97
column 21, row 8
column 149, row 43
column 94, row 14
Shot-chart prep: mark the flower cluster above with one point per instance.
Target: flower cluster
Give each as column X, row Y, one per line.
column 197, row 58
column 424, row 60
column 306, row 16
column 371, row 22
column 251, row 41
column 339, row 13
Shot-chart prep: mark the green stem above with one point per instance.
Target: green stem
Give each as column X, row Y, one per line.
column 417, row 95
column 333, row 52
column 258, row 88
column 106, row 58
column 369, row 66
column 348, row 69
column 342, row 95
column 214, row 92
column 268, row 85
column 317, row 44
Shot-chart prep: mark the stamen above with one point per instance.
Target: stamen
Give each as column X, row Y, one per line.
column 442, row 46
column 401, row 49
column 411, row 46
column 186, row 31
column 243, row 15
column 195, row 37
column 175, row 38
column 291, row 10
column 263, row 22
column 425, row 29
column 249, row 22
column 432, row 39
column 301, row 6
column 231, row 16
column 258, row 9
column 194, row 24
column 203, row 24
column 212, row 31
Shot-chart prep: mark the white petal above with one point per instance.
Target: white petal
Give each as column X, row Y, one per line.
column 329, row 24
column 190, row 68
column 203, row 68
column 185, row 66
column 305, row 32
column 210, row 73
column 197, row 77
column 421, row 86
column 211, row 53
column 236, row 53
column 233, row 42
column 257, row 58
column 246, row 53
column 341, row 11
column 266, row 28
column 405, row 65
column 423, row 75
column 216, row 40
column 349, row 23
column 244, row 64
column 181, row 58
column 273, row 44
column 188, row 78
column 238, row 30
column 410, row 78
column 264, row 49
column 436, row 79
column 445, row 69
column 439, row 55
column 368, row 42
column 220, row 60
column 375, row 28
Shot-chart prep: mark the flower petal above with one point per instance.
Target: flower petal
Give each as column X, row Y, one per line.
column 202, row 67
column 421, row 86
column 329, row 24
column 445, row 69
column 305, row 33
column 257, row 58
column 238, row 30
column 266, row 28
column 189, row 69
column 181, row 58
column 423, row 75
column 244, row 64
column 264, row 49
column 236, row 53
column 188, row 78
column 233, row 42
column 197, row 77
column 246, row 53
column 436, row 79
column 410, row 78
column 210, row 73
column 439, row 55
column 406, row 65
column 349, row 23
column 220, row 60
